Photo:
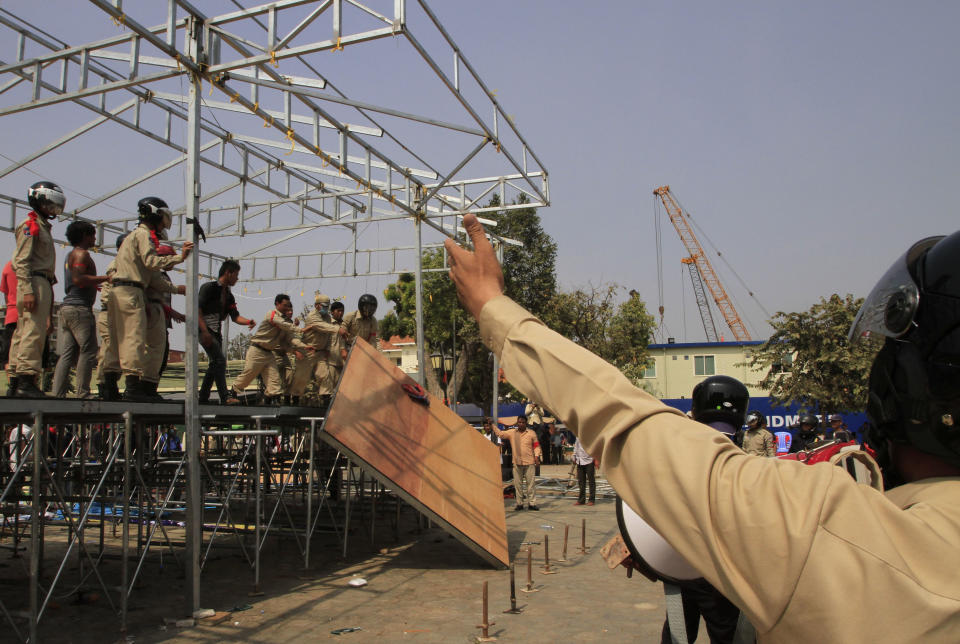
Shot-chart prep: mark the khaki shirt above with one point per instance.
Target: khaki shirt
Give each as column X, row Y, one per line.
column 805, row 551
column 277, row 333
column 524, row 445
column 361, row 328
column 759, row 442
column 106, row 286
column 34, row 252
column 137, row 258
column 337, row 343
column 319, row 339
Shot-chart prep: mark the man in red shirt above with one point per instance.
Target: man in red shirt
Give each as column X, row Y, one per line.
column 8, row 286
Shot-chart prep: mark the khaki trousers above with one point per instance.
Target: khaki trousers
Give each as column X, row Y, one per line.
column 26, row 346
column 302, row 373
column 328, row 376
column 128, row 318
column 156, row 337
column 256, row 362
column 525, row 484
column 108, row 361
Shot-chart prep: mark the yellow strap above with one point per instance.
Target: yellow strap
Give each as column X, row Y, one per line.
column 293, row 144
column 120, row 20
column 273, row 59
column 338, row 46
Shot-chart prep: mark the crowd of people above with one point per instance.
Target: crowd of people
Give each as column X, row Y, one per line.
column 129, row 336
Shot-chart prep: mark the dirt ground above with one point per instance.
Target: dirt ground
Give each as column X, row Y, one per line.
column 423, row 587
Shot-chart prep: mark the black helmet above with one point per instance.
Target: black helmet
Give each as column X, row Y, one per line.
column 755, row 419
column 47, row 199
column 367, row 304
column 808, row 419
column 914, row 392
column 120, row 239
column 720, row 399
column 152, row 210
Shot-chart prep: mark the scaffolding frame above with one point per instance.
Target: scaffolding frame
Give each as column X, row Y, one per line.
column 292, row 154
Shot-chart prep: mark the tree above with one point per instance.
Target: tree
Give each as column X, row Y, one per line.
column 808, row 361
column 237, row 346
column 619, row 334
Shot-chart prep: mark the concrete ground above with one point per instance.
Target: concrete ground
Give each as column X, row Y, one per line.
column 424, row 588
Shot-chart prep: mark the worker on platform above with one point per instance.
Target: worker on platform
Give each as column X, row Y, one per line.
column 788, row 543
column 276, row 332
column 136, row 263
column 216, row 302
column 362, row 323
column 108, row 360
column 320, row 330
column 34, row 262
column 160, row 314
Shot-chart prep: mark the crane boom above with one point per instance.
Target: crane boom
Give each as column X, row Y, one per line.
column 706, row 315
column 695, row 250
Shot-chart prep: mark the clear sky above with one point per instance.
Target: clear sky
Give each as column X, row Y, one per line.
column 812, row 142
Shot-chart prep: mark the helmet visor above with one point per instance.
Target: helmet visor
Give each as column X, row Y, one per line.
column 890, row 308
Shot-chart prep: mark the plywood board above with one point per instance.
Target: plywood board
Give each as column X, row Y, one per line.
column 428, row 455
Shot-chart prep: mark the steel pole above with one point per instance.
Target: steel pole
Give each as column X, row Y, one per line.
column 421, row 375
column 194, row 533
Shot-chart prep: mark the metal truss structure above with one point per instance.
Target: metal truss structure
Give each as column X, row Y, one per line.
column 241, row 110
column 265, row 472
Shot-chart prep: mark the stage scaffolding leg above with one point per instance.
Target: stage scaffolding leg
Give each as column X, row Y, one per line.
column 258, row 484
column 36, row 521
column 125, row 546
column 310, row 463
column 194, row 528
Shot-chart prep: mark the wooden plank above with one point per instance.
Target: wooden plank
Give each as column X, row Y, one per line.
column 428, row 455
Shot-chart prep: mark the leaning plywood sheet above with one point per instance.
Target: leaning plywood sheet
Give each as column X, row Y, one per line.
column 430, row 457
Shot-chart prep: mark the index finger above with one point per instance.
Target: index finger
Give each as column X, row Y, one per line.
column 477, row 234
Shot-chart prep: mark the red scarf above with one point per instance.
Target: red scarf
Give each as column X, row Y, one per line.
column 155, row 240
column 33, row 228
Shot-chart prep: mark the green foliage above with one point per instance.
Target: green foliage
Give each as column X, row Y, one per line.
column 826, row 374
column 617, row 333
column 237, row 345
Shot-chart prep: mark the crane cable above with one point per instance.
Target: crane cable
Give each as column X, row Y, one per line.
column 658, row 236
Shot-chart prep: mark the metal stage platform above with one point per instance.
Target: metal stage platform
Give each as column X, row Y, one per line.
column 109, row 481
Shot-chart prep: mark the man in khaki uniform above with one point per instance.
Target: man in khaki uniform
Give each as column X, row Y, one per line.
column 276, row 333
column 159, row 314
column 328, row 377
column 788, row 543
column 321, row 328
column 526, row 456
column 136, row 264
column 756, row 439
column 108, row 360
column 362, row 323
column 34, row 262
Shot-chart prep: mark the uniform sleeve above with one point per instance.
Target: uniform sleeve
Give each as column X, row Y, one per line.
column 150, row 258
column 747, row 524
column 21, row 260
column 768, row 444
column 161, row 285
column 280, row 322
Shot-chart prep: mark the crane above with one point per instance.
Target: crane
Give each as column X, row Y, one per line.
column 698, row 260
column 706, row 315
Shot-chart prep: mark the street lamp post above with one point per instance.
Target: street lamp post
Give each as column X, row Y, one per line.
column 442, row 364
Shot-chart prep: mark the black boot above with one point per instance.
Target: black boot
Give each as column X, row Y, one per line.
column 27, row 388
column 109, row 389
column 134, row 391
column 149, row 389
column 12, row 382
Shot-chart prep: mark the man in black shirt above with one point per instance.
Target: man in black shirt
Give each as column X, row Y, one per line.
column 216, row 303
